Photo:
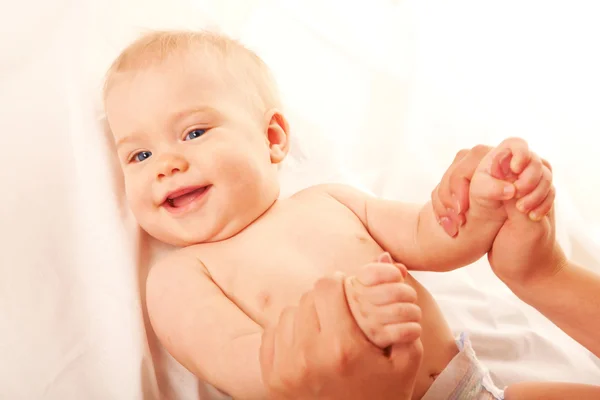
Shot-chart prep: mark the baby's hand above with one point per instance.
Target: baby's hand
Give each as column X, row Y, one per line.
column 383, row 306
column 524, row 250
column 511, row 171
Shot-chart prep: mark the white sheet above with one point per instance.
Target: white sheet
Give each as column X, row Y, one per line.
column 380, row 94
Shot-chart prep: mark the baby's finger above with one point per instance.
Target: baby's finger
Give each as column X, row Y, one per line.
column 378, row 273
column 530, row 178
column 545, row 208
column 535, row 197
column 520, row 153
column 547, row 164
column 389, row 293
column 454, row 188
column 395, row 313
column 489, row 188
column 385, row 257
column 397, row 333
column 500, row 168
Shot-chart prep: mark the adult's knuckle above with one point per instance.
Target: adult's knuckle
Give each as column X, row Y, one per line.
column 302, row 369
column 286, row 381
column 343, row 357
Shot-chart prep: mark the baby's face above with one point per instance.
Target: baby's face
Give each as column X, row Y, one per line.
column 194, row 154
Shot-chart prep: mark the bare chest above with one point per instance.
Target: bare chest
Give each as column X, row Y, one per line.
column 271, row 265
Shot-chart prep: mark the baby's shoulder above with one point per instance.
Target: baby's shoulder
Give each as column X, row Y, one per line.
column 326, row 190
column 347, row 196
column 174, row 265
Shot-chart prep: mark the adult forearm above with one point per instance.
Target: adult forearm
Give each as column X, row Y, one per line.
column 571, row 300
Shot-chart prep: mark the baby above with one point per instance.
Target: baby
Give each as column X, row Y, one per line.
column 199, row 132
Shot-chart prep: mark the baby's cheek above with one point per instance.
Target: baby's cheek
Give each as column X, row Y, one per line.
column 139, row 200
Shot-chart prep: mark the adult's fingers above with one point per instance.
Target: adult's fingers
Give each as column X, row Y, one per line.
column 267, row 354
column 306, row 323
column 285, row 329
column 332, row 307
column 457, row 192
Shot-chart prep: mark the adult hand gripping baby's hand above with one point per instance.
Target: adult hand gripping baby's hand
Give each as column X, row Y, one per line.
column 383, row 305
column 525, row 250
column 496, row 181
column 318, row 351
column 518, row 183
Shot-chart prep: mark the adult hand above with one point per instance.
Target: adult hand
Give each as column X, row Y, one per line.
column 450, row 198
column 318, row 351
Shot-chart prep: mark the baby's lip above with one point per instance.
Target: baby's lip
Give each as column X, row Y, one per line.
column 180, row 192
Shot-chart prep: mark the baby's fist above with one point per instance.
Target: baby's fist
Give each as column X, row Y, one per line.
column 383, row 306
column 512, row 171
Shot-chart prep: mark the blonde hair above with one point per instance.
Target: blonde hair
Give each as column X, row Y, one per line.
column 242, row 65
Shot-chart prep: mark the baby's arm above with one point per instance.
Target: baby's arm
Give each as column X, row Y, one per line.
column 202, row 328
column 413, row 234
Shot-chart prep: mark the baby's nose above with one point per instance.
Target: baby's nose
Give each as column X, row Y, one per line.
column 170, row 165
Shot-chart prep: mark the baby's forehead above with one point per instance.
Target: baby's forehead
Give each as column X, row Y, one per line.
column 188, row 57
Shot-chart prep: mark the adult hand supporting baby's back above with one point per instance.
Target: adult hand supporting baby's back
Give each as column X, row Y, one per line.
column 318, row 351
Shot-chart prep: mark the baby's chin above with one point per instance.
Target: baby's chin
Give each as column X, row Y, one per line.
column 174, row 237
column 179, row 236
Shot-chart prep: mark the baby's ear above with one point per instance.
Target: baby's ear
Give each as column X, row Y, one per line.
column 277, row 135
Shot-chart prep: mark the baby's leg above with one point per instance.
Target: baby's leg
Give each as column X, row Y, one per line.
column 383, row 305
column 551, row 391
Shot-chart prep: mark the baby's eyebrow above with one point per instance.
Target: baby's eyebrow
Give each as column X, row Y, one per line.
column 179, row 115
column 127, row 139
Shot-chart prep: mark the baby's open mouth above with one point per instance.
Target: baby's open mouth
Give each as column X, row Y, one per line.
column 184, row 197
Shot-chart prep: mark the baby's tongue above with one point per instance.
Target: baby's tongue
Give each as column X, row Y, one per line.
column 186, row 198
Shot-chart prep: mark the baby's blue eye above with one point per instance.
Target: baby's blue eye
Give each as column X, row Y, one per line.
column 196, row 133
column 142, row 155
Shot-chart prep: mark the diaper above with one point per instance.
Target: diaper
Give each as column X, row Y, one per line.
column 465, row 378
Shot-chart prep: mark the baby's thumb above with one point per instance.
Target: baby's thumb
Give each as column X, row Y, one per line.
column 385, row 258
column 486, row 187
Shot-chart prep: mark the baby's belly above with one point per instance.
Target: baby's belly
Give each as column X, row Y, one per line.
column 439, row 346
